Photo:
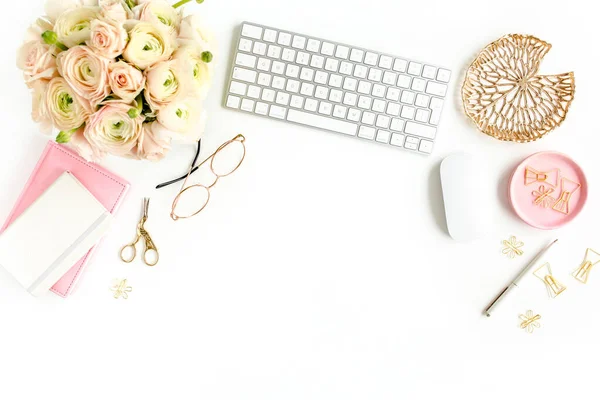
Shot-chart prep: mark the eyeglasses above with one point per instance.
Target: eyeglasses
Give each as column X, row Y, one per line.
column 192, row 199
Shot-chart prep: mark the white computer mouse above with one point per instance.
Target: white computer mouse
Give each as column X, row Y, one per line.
column 464, row 186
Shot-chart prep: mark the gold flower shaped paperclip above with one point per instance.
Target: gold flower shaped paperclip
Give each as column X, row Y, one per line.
column 529, row 321
column 542, row 197
column 121, row 290
column 554, row 287
column 512, row 247
column 583, row 272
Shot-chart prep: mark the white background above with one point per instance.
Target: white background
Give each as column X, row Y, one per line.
column 322, row 269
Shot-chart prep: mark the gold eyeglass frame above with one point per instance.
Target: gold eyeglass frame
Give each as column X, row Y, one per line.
column 239, row 138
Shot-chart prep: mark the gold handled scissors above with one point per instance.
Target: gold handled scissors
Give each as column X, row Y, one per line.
column 150, row 255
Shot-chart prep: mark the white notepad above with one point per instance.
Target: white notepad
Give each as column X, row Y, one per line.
column 52, row 234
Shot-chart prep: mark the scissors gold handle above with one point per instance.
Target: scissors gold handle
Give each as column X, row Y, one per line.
column 150, row 256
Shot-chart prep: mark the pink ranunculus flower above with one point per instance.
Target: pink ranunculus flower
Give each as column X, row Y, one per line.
column 126, row 81
column 37, row 62
column 86, row 73
column 154, row 143
column 108, row 38
column 111, row 130
column 80, row 144
column 39, row 107
column 116, row 10
column 161, row 13
column 67, row 110
column 165, row 82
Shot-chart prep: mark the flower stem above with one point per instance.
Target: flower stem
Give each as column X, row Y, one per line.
column 184, row 2
column 65, row 136
column 130, row 4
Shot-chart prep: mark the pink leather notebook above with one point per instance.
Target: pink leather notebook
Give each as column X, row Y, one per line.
column 108, row 188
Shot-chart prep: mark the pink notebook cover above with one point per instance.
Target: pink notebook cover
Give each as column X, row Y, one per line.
column 108, row 188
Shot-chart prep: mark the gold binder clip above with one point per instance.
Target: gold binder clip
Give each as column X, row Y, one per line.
column 583, row 272
column 120, row 289
column 554, row 287
column 542, row 197
column 551, row 177
column 512, row 247
column 568, row 188
column 529, row 321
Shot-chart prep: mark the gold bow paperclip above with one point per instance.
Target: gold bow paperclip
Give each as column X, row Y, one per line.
column 121, row 289
column 512, row 247
column 569, row 187
column 554, row 287
column 529, row 321
column 532, row 175
column 583, row 272
column 150, row 255
column 543, row 198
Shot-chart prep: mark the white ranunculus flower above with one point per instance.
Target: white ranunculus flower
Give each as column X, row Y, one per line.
column 159, row 12
column 155, row 142
column 36, row 29
column 116, row 10
column 108, row 38
column 165, row 82
column 111, row 130
column 148, row 45
column 54, row 8
column 36, row 60
column 183, row 117
column 193, row 28
column 126, row 81
column 86, row 72
column 73, row 26
column 67, row 110
column 199, row 72
column 39, row 107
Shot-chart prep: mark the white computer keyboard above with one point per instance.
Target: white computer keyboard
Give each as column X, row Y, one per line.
column 345, row 89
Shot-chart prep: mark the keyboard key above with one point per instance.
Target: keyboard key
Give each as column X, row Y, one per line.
column 393, row 109
column 233, row 101
column 385, row 62
column 278, row 82
column 371, row 58
column 426, row 146
column 436, row 89
column 378, row 105
column 282, row 98
column 393, row 94
column 311, row 105
column 378, row 90
column 357, row 55
column 321, row 77
column 288, row 55
column 327, row 48
column 350, row 99
column 292, row 71
column 307, row 89
column 245, row 60
column 277, row 112
column 331, row 64
column 397, row 125
column 325, row 108
column 307, row 74
column 375, row 74
column 296, row 101
column 263, row 64
column 284, row 39
column 354, row 114
column 238, row 88
column 254, row 92
column 350, row 84
column 342, row 52
column 268, row 95
column 274, row 51
column 390, row 78
column 264, row 79
column 335, row 80
column 400, row 65
column 407, row 97
column 318, row 121
column 422, row 100
column 429, row 72
column 443, row 75
column 317, row 61
column 383, row 136
column 383, row 121
column 403, row 81
column 364, row 87
column 302, row 58
column 245, row 45
column 245, row 75
column 420, row 130
column 397, row 140
column 339, row 111
column 368, row 118
column 278, row 67
column 261, row 108
column 299, row 42
column 313, row 45
column 407, row 113
column 411, row 143
column 336, row 95
column 436, row 110
column 321, row 92
column 247, row 105
column 414, row 68
column 292, row 86
column 346, row 68
column 259, row 48
column 364, row 102
column 366, row 133
column 422, row 115
column 254, row 32
column 360, row 71
column 418, row 85
column 270, row 35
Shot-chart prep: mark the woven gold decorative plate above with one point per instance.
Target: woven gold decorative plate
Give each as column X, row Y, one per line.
column 507, row 99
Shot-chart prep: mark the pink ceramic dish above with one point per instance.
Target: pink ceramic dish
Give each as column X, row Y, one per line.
column 548, row 169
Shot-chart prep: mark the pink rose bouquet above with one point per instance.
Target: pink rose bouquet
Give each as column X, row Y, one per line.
column 119, row 77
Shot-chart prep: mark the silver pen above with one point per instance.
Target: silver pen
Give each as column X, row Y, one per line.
column 516, row 281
